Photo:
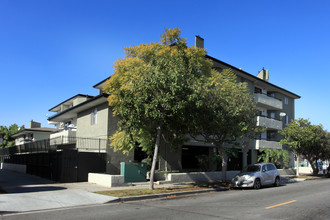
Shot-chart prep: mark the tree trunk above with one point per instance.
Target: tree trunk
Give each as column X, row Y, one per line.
column 245, row 150
column 315, row 167
column 224, row 159
column 297, row 164
column 154, row 160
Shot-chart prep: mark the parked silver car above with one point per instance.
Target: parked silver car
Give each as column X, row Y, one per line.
column 257, row 175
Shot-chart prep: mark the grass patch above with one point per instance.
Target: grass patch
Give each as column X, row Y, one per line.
column 160, row 190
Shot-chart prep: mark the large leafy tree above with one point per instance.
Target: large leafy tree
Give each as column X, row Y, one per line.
column 326, row 146
column 152, row 90
column 307, row 140
column 7, row 132
column 275, row 156
column 224, row 113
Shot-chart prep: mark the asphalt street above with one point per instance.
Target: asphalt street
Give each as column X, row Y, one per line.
column 304, row 200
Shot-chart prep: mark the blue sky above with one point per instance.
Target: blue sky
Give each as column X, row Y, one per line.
column 52, row 50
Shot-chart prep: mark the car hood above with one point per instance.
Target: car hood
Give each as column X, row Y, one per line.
column 247, row 173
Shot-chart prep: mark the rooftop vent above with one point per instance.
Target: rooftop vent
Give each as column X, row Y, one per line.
column 263, row 74
column 199, row 42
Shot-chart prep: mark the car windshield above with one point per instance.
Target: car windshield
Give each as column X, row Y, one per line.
column 252, row 168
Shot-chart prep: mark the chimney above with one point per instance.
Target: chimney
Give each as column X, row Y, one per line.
column 263, row 74
column 34, row 124
column 199, row 42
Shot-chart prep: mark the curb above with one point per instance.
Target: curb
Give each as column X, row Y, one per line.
column 157, row 196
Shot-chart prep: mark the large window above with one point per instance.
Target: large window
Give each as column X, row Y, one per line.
column 257, row 90
column 94, row 117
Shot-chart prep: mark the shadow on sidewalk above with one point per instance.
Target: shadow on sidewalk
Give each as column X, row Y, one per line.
column 24, row 189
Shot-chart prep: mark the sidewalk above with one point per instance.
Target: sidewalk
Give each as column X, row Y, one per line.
column 29, row 193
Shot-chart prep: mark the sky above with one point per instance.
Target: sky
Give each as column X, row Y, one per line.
column 52, row 50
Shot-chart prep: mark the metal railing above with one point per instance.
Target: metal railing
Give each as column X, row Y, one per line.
column 62, row 142
column 268, row 95
column 277, row 118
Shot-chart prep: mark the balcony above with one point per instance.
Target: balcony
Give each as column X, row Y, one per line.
column 271, row 123
column 260, row 144
column 95, row 145
column 268, row 102
column 66, row 136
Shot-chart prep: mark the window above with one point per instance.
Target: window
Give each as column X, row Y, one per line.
column 257, row 90
column 271, row 94
column 270, row 167
column 272, row 115
column 286, row 119
column 271, row 135
column 286, row 100
column 94, row 117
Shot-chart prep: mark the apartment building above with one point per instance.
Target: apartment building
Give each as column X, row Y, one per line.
column 276, row 108
column 84, row 124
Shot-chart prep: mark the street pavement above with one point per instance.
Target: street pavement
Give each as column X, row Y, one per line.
column 30, row 193
column 305, row 200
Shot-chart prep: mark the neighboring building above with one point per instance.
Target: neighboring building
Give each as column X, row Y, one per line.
column 32, row 134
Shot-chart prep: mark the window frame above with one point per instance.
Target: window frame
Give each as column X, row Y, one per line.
column 94, row 117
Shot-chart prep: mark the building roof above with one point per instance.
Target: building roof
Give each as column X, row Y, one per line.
column 68, row 101
column 33, row 130
column 101, row 84
column 256, row 79
column 72, row 112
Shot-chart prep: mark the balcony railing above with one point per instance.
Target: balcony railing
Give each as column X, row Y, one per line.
column 65, row 136
column 272, row 123
column 265, row 143
column 58, row 143
column 268, row 101
column 63, row 140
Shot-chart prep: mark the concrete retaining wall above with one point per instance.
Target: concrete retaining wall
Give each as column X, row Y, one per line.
column 198, row 177
column 106, row 180
column 306, row 170
column 302, row 170
column 287, row 172
column 14, row 167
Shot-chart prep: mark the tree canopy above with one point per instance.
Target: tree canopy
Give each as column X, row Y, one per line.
column 164, row 91
column 224, row 113
column 281, row 158
column 307, row 140
column 152, row 90
column 7, row 132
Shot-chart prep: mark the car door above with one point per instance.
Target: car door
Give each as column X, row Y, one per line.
column 265, row 175
column 271, row 169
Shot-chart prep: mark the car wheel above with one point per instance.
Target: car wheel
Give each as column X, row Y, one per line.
column 257, row 184
column 277, row 181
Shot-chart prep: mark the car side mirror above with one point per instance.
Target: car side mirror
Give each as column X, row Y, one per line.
column 263, row 170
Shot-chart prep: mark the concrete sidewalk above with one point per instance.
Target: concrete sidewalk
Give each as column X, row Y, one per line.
column 28, row 193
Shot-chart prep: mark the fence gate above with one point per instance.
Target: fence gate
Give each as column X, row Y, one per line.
column 69, row 168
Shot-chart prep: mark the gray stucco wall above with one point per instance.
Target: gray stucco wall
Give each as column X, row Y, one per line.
column 288, row 108
column 172, row 156
column 40, row 135
column 98, row 130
